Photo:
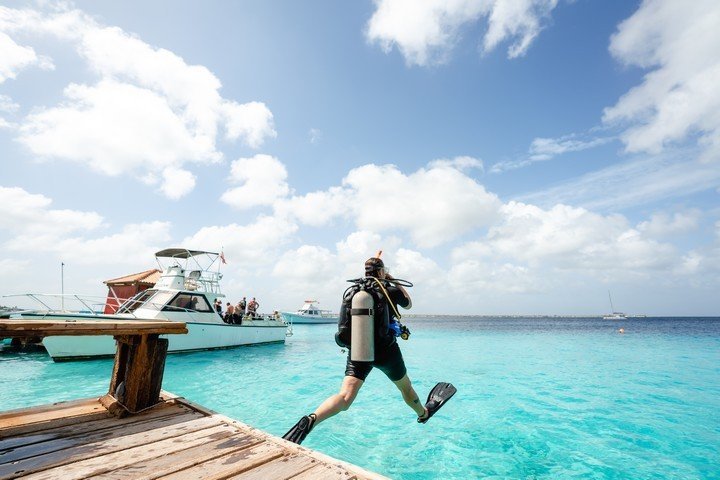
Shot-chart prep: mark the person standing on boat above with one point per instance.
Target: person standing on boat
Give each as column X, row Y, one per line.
column 229, row 311
column 252, row 307
column 388, row 359
column 242, row 305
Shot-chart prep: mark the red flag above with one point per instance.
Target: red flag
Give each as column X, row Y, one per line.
column 222, row 257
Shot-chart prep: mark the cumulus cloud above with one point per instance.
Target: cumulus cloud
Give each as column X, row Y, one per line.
column 253, row 244
column 262, row 179
column 135, row 244
column 14, row 57
column 434, row 204
column 37, row 226
column 568, row 238
column 425, row 32
column 662, row 223
column 177, row 182
column 150, row 112
column 678, row 98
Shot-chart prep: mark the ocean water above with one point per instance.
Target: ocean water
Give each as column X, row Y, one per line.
column 537, row 397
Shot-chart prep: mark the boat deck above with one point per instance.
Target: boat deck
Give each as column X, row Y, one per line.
column 174, row 439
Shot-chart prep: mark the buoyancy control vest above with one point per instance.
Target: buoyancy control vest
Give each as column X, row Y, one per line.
column 384, row 337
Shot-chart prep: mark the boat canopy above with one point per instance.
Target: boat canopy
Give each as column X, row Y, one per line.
column 181, row 253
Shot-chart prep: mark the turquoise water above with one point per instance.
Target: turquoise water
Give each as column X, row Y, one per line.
column 537, row 398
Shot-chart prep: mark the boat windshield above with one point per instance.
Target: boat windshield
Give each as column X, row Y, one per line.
column 133, row 303
column 151, row 299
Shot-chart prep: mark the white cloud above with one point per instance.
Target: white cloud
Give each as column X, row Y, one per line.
column 635, row 182
column 661, row 224
column 679, row 98
column 425, row 32
column 434, row 204
column 134, row 245
column 315, row 135
column 7, row 104
column 114, row 128
column 262, row 179
column 245, row 245
column 150, row 111
column 34, row 225
column 568, row 238
column 306, row 262
column 177, row 183
column 458, row 163
column 251, row 121
column 543, row 149
column 14, row 57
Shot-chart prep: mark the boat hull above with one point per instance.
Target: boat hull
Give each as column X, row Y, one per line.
column 310, row 319
column 200, row 336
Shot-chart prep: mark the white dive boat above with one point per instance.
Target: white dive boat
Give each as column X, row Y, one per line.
column 614, row 315
column 181, row 294
column 310, row 313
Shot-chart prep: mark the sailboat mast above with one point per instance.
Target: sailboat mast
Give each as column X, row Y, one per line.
column 612, row 308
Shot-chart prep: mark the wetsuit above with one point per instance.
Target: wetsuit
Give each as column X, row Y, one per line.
column 388, row 358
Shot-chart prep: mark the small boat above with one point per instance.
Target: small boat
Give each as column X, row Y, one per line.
column 185, row 292
column 614, row 315
column 310, row 313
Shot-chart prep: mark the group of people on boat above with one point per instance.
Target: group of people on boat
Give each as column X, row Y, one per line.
column 234, row 314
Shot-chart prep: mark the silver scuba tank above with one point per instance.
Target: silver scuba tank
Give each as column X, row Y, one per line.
column 363, row 327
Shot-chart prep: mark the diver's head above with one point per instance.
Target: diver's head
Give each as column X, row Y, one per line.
column 374, row 267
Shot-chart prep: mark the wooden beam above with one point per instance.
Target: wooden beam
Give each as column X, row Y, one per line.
column 26, row 328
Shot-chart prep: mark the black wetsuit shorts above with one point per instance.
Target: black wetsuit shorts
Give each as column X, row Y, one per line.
column 389, row 360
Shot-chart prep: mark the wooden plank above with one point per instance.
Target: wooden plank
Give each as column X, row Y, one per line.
column 96, row 465
column 99, row 450
column 46, row 408
column 157, row 467
column 286, row 466
column 25, row 328
column 66, row 443
column 162, row 410
column 232, row 464
column 324, row 472
column 49, row 415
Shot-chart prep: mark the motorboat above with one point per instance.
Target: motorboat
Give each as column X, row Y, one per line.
column 310, row 312
column 186, row 292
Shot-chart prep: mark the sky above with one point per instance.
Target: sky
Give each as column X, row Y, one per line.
column 508, row 157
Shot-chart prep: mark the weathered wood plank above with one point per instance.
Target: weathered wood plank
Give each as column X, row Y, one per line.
column 25, row 328
column 46, row 408
column 96, row 465
column 162, row 410
column 49, row 415
column 99, row 450
column 324, row 472
column 283, row 467
column 99, row 438
column 157, row 467
column 232, row 464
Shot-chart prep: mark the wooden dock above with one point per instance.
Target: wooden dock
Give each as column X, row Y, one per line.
column 176, row 439
column 137, row 431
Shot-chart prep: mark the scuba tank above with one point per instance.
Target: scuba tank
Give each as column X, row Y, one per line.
column 362, row 327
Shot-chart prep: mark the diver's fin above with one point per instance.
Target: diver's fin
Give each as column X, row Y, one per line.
column 300, row 430
column 441, row 393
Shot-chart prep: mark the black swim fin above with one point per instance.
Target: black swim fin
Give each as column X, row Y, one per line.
column 438, row 396
column 300, row 430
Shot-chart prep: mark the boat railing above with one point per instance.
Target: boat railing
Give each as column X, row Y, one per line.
column 53, row 303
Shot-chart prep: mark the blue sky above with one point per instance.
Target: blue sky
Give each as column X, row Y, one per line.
column 508, row 157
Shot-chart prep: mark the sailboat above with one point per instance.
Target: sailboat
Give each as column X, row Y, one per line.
column 614, row 315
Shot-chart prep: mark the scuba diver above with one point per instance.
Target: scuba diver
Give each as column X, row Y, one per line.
column 386, row 294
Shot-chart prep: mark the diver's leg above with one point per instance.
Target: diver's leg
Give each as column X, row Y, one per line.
column 410, row 396
column 340, row 401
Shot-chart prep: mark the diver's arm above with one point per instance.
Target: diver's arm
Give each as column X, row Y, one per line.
column 402, row 290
